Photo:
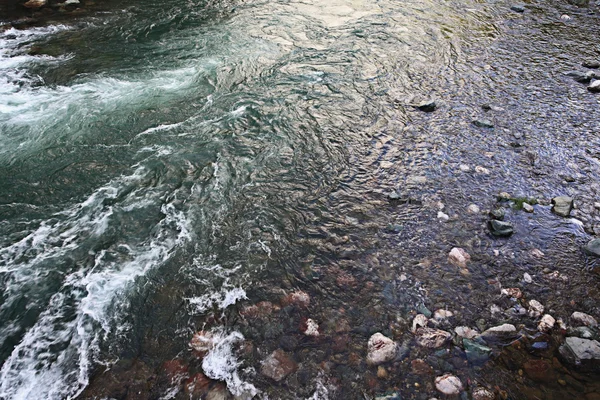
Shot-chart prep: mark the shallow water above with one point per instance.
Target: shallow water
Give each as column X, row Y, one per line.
column 165, row 165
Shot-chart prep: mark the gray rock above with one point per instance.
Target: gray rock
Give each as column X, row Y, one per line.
column 500, row 333
column 527, row 207
column 427, row 106
column 591, row 64
column 582, row 77
column 593, row 247
column 562, row 205
column 517, row 8
column 497, row 213
column 579, row 351
column 594, row 87
column 500, row 228
column 476, row 352
column 483, row 123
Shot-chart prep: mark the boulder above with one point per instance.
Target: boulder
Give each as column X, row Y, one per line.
column 562, row 205
column 448, row 384
column 278, row 365
column 432, row 338
column 380, row 349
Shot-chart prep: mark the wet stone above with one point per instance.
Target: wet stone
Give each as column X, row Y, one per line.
column 483, row 123
column 535, row 308
column 500, row 333
column 528, row 207
column 481, row 393
column 476, row 352
column 380, row 349
column 583, row 319
column 419, row 321
column 497, row 214
column 466, row 332
column 593, row 248
column 448, row 384
column 431, row 338
column 278, row 365
column 517, row 8
column 591, row 64
column 500, row 228
column 581, row 77
column 546, row 323
column 562, row 205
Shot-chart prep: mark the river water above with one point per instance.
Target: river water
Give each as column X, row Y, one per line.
column 166, row 165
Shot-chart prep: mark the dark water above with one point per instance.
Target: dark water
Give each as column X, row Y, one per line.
column 164, row 165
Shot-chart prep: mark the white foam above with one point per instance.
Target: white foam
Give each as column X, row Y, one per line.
column 221, row 364
column 222, row 299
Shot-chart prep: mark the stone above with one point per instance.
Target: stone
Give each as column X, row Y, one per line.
column 473, row 209
column 419, row 321
column 312, row 328
column 459, row 257
column 441, row 315
column 500, row 228
column 537, row 253
column 297, row 298
column 432, row 338
column 476, row 352
column 512, row 292
column 593, row 248
column 577, row 350
column 527, row 207
column 565, row 17
column 481, row 393
column 497, row 213
column 517, row 8
column 466, row 332
column 527, row 278
column 380, row 349
column 562, row 205
column 483, row 123
column 594, row 64
column 382, row 372
column 464, row 167
column 546, row 323
column 448, row 384
column 500, row 333
column 581, row 77
column 594, row 87
column 583, row 319
column 482, row 170
column 278, row 365
column 535, row 309
column 443, row 216
column 35, row 4
column 427, row 106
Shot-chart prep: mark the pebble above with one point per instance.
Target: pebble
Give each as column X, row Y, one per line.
column 527, row 278
column 528, row 207
column 432, row 338
column 464, row 167
column 517, row 8
column 459, row 257
column 441, row 315
column 547, row 323
column 419, row 321
column 448, row 384
column 427, row 106
column 382, row 372
column 482, row 170
column 312, row 328
column 594, row 87
column 537, row 253
column 565, row 17
column 562, row 205
column 481, row 393
column 278, row 365
column 535, row 308
column 584, row 319
column 380, row 349
column 500, row 228
column 512, row 292
column 473, row 209
column 466, row 332
column 500, row 332
column 483, row 123
column 442, row 216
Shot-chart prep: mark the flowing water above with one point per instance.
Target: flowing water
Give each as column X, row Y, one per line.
column 165, row 165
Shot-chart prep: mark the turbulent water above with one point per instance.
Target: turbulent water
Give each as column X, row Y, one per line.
column 162, row 162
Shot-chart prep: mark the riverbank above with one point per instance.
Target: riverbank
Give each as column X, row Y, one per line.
column 365, row 247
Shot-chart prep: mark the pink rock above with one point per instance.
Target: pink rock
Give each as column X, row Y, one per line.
column 297, row 298
column 380, row 349
column 459, row 257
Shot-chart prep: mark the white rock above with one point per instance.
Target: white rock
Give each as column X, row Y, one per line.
column 501, row 332
column 473, row 209
column 537, row 253
column 483, row 394
column 464, row 167
column 527, row 278
column 443, row 217
column 420, row 321
column 448, row 384
column 466, row 332
column 431, row 338
column 459, row 257
column 583, row 319
column 482, row 170
column 380, row 349
column 528, row 207
column 440, row 315
column 495, row 309
column 535, row 308
column 565, row 17
column 546, row 323
column 312, row 328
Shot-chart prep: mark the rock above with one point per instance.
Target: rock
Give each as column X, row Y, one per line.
column 464, row 167
column 527, row 278
column 578, row 351
column 591, row 64
column 419, row 321
column 380, row 349
column 473, row 209
column 442, row 216
column 427, row 106
column 500, row 228
column 476, row 353
column 593, row 247
column 441, row 315
column 581, row 77
column 584, row 332
column 500, row 333
column 481, row 393
column 517, row 8
column 35, row 3
column 537, row 253
column 448, row 384
column 312, row 328
column 482, row 170
column 594, row 87
column 197, row 386
column 512, row 292
column 497, row 213
column 466, row 332
column 202, row 342
column 278, row 365
column 382, row 372
column 565, row 17
column 546, row 323
column 528, row 207
column 562, row 205
column 584, row 319
column 260, row 310
column 483, row 123
column 535, row 308
column 459, row 257
column 175, row 371
column 298, row 298
column 431, row 338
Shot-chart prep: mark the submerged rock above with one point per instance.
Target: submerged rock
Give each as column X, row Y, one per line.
column 512, row 292
column 380, row 349
column 476, row 352
column 500, row 228
column 546, row 323
column 448, row 384
column 419, row 321
column 497, row 213
column 562, row 205
column 578, row 351
column 459, row 257
column 481, row 393
column 278, row 365
column 431, row 338
column 311, row 329
column 500, row 333
column 584, row 319
column 202, row 342
column 297, row 298
column 593, row 247
column 517, row 8
column 535, row 308
column 581, row 77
